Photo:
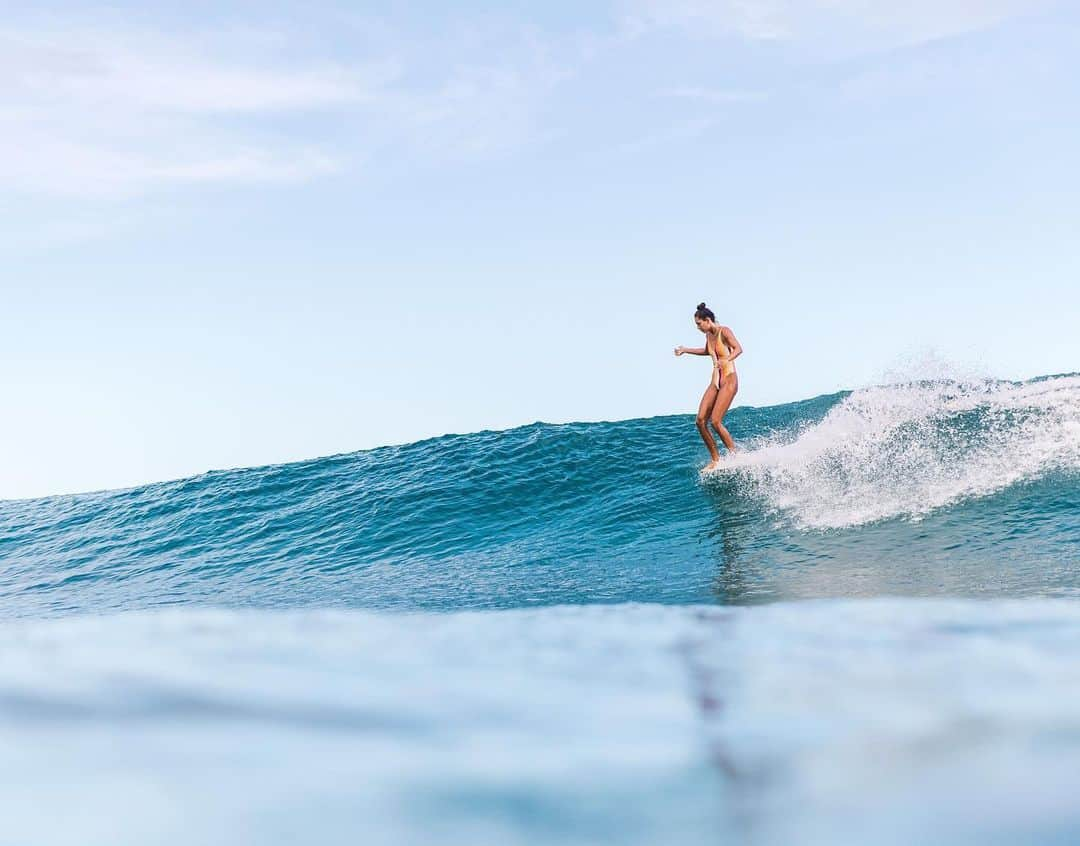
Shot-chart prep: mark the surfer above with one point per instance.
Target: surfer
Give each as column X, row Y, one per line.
column 723, row 348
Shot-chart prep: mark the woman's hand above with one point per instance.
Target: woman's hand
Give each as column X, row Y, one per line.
column 680, row 350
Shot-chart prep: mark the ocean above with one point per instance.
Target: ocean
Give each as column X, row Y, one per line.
column 863, row 629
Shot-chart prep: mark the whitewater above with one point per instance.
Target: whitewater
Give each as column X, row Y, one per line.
column 863, row 629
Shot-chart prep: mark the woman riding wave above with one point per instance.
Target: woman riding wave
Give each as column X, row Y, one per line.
column 723, row 348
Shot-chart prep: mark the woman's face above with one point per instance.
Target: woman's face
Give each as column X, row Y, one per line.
column 702, row 323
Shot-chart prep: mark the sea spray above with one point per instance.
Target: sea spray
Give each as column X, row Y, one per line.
column 909, row 449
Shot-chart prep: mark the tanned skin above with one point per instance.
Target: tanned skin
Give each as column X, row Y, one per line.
column 722, row 388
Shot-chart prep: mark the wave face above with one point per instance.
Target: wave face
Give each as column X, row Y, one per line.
column 936, row 488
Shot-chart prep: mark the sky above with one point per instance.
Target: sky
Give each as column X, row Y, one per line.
column 239, row 234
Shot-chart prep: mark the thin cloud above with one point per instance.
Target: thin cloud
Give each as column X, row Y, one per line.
column 89, row 113
column 104, row 113
column 145, row 70
column 854, row 24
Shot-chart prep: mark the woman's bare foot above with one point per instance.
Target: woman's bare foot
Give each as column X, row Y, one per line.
column 712, row 465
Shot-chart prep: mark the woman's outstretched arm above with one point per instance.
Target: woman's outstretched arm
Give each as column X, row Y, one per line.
column 691, row 351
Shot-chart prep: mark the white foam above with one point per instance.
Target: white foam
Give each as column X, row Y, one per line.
column 905, row 450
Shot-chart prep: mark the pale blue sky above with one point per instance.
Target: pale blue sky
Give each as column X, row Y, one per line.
column 288, row 230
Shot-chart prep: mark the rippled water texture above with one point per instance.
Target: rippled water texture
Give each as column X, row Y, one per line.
column 563, row 634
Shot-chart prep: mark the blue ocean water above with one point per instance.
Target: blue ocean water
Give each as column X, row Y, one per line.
column 862, row 629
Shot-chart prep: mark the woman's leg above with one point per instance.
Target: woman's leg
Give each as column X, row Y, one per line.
column 703, row 421
column 729, row 386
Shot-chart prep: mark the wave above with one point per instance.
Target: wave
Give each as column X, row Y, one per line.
column 968, row 488
column 906, row 450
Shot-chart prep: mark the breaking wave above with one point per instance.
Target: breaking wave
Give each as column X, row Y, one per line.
column 966, row 488
column 907, row 450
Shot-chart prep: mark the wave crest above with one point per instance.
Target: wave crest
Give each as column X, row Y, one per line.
column 905, row 450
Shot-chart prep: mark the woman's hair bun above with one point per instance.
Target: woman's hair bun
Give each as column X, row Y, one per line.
column 702, row 306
